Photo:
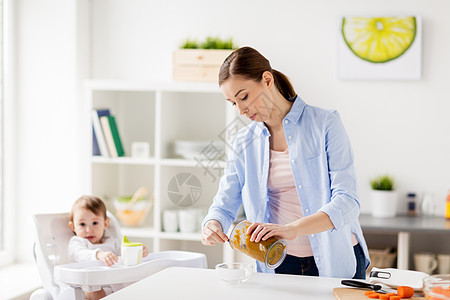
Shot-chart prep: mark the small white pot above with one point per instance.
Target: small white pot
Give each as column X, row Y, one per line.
column 384, row 203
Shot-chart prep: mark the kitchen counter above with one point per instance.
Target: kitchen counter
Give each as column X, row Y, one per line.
column 403, row 226
column 191, row 283
column 404, row 223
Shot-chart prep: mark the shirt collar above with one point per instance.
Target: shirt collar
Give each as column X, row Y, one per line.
column 293, row 115
column 261, row 128
column 296, row 110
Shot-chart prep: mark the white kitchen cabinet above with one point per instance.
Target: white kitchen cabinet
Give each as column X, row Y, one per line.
column 160, row 113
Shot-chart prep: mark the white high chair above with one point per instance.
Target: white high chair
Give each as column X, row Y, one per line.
column 62, row 280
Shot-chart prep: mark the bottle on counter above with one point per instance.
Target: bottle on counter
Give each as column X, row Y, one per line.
column 447, row 206
column 411, row 202
column 428, row 204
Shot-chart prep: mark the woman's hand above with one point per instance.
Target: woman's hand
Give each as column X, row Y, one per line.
column 263, row 231
column 144, row 251
column 107, row 257
column 212, row 233
column 314, row 223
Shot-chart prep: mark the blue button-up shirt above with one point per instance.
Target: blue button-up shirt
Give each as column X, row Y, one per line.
column 322, row 164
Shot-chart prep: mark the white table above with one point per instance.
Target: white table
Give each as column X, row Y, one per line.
column 191, row 283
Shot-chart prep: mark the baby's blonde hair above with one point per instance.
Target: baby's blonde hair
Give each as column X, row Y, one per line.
column 91, row 203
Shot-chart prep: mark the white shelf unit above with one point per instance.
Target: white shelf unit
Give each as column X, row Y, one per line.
column 159, row 113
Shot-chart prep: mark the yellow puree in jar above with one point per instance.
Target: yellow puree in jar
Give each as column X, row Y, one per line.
column 275, row 254
column 258, row 250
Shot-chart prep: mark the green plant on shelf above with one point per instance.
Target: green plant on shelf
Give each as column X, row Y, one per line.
column 209, row 43
column 190, row 44
column 383, row 183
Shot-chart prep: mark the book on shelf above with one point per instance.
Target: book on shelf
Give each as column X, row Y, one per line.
column 116, row 136
column 95, row 148
column 112, row 136
column 98, row 132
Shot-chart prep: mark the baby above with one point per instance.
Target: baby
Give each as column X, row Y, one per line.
column 89, row 221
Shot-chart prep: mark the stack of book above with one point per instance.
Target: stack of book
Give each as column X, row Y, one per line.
column 106, row 138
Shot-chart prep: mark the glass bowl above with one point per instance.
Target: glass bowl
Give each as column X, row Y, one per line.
column 437, row 287
column 234, row 273
column 131, row 214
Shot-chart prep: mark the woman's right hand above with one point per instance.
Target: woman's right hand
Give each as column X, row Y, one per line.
column 212, row 233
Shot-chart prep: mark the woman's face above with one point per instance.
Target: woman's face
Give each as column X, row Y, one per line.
column 250, row 98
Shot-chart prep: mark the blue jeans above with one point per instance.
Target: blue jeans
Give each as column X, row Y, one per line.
column 307, row 266
column 360, row 262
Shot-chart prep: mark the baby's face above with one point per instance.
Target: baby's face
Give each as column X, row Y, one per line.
column 88, row 225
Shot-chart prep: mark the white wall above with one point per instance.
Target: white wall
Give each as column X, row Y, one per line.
column 50, row 153
column 396, row 127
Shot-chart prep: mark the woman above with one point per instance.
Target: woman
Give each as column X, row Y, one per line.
column 292, row 169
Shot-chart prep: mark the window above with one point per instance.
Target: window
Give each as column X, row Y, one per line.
column 2, row 217
column 6, row 210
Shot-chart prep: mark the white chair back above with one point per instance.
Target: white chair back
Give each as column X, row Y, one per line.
column 53, row 236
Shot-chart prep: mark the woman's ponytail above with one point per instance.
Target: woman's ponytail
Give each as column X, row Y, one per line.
column 283, row 85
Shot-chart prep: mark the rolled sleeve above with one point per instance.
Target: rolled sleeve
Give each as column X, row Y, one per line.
column 340, row 216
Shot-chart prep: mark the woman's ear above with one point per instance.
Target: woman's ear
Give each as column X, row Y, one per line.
column 268, row 79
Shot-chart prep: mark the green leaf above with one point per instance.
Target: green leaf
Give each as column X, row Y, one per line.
column 382, row 183
column 209, row 43
column 190, row 44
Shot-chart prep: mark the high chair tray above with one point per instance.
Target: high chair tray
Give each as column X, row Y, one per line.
column 89, row 274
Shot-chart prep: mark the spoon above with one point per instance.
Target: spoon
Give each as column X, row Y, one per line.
column 140, row 192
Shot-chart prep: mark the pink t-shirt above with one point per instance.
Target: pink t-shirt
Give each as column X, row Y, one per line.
column 284, row 203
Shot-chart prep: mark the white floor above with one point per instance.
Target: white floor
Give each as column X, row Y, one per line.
column 19, row 281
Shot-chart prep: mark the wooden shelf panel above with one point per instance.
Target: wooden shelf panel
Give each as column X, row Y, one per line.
column 142, row 232
column 174, row 162
column 149, row 232
column 195, row 236
column 170, row 86
column 126, row 160
column 178, row 162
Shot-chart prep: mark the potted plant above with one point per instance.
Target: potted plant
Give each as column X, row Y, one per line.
column 383, row 197
column 200, row 61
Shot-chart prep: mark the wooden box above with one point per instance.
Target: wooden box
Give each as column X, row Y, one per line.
column 198, row 64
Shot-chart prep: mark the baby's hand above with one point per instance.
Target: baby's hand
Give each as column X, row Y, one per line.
column 107, row 257
column 144, row 251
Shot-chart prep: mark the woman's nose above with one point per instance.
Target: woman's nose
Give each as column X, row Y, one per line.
column 241, row 109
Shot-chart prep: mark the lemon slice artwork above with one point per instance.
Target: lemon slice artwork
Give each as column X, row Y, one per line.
column 380, row 39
